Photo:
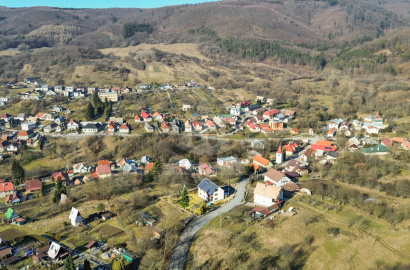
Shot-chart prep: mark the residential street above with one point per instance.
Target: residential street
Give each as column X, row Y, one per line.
column 181, row 251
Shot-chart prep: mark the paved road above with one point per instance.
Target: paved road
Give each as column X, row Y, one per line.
column 181, row 250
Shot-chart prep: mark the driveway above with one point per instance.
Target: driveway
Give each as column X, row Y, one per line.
column 181, row 250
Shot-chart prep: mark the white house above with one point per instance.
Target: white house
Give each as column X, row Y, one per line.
column 188, row 126
column 267, row 195
column 235, row 111
column 53, row 250
column 209, row 191
column 80, row 168
column 273, row 177
column 27, row 126
column 75, row 217
column 90, row 128
column 73, row 125
column 226, row 161
column 186, row 107
column 185, row 163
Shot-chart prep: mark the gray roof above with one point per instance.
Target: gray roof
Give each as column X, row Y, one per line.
column 90, row 126
column 333, row 154
column 208, row 186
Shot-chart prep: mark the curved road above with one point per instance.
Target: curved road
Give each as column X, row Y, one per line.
column 181, row 250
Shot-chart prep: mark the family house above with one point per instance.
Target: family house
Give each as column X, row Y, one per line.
column 226, row 161
column 165, row 127
column 188, row 126
column 276, row 178
column 27, row 126
column 90, row 128
column 24, row 135
column 73, row 125
column 197, row 126
column 379, row 149
column 138, row 119
column 323, row 145
column 6, row 188
column 209, row 191
column 103, row 171
column 186, row 107
column 270, row 114
column 296, row 166
column 80, row 168
column 185, row 164
column 124, row 128
column 204, row 169
column 62, row 175
column 260, row 161
column 267, row 195
column 148, row 128
column 146, row 116
column 34, row 185
column 75, row 217
column 211, row 125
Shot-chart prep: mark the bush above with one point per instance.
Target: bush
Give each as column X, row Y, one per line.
column 333, row 231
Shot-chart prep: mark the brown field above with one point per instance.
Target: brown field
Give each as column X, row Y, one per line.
column 11, row 234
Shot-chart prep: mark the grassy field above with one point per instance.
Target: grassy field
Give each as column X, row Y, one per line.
column 350, row 248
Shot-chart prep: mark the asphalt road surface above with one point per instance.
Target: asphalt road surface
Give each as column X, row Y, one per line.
column 181, row 251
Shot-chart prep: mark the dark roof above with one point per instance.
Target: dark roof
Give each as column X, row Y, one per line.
column 33, row 184
column 333, row 154
column 11, row 260
column 90, row 126
column 208, row 186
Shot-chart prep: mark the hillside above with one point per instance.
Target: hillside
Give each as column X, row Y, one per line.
column 294, row 22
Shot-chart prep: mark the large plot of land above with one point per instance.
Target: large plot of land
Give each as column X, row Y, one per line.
column 11, row 234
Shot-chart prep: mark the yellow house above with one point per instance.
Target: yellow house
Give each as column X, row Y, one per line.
column 113, row 96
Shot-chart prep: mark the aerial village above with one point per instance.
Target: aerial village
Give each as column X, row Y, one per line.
column 275, row 176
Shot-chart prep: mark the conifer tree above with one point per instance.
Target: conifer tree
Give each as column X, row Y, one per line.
column 184, row 202
column 17, row 172
column 89, row 114
column 69, row 263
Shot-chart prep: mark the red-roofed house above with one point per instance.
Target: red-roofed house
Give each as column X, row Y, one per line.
column 124, row 128
column 24, row 135
column 253, row 127
column 146, row 116
column 63, row 175
column 197, row 126
column 104, row 162
column 137, row 118
column 103, row 171
column 34, row 185
column 210, row 124
column 111, row 129
column 294, row 131
column 149, row 166
column 270, row 114
column 6, row 188
column 6, row 117
column 165, row 127
column 386, row 142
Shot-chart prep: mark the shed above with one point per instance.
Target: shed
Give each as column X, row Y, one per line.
column 128, row 255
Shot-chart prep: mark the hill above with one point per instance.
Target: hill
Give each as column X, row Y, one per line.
column 328, row 22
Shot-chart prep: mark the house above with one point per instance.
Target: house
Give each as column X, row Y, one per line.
column 13, row 147
column 158, row 117
column 211, row 125
column 289, row 113
column 335, row 123
column 188, row 126
column 332, row 156
column 73, row 125
column 204, row 169
column 75, row 217
column 185, row 164
column 324, row 145
column 80, row 168
column 260, row 161
column 371, row 129
column 165, row 127
column 197, row 126
column 209, row 191
column 267, row 195
column 34, row 185
column 261, row 99
column 186, row 107
column 146, row 116
column 226, row 161
column 6, row 117
column 24, row 135
column 379, row 149
column 21, row 117
column 11, row 215
column 386, row 142
column 111, row 128
column 137, row 118
column 276, row 178
column 103, row 171
column 353, row 144
column 147, row 219
column 357, row 124
column 145, row 160
column 331, row 133
column 306, row 154
column 27, row 126
column 124, row 128
column 294, row 131
column 270, row 114
column 110, row 96
column 296, row 166
column 90, row 128
column 50, row 128
column 62, row 175
column 148, row 128
column 235, row 111
column 254, row 128
column 368, row 140
column 372, row 117
column 252, row 107
column 6, row 188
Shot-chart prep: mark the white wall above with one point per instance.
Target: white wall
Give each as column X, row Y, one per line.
column 262, row 200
